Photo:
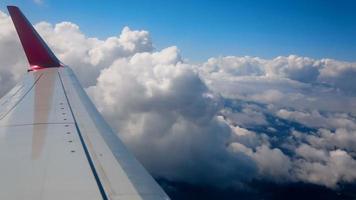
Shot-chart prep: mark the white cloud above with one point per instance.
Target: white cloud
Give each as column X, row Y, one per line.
column 89, row 56
column 12, row 58
column 310, row 153
column 316, row 120
column 268, row 96
column 340, row 138
column 339, row 167
column 296, row 68
column 155, row 100
column 248, row 116
column 340, row 74
column 272, row 163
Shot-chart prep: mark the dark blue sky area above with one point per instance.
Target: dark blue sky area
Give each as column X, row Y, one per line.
column 202, row 29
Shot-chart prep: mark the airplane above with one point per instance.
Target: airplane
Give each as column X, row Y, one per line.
column 54, row 144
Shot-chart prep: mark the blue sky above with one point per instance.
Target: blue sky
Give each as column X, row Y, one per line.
column 202, row 29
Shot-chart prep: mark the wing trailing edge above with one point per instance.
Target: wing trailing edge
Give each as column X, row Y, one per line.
column 38, row 54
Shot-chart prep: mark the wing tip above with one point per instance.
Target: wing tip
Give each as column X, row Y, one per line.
column 38, row 53
column 12, row 7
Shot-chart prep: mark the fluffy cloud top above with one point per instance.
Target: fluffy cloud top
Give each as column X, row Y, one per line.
column 224, row 122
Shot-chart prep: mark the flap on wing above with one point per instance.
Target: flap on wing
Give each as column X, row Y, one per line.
column 39, row 55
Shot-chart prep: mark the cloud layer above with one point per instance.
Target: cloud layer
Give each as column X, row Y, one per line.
column 224, row 122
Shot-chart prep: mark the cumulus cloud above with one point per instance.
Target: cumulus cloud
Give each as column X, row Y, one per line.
column 301, row 69
column 272, row 163
column 157, row 101
column 91, row 55
column 286, row 74
column 310, row 153
column 338, row 167
column 316, row 120
column 11, row 56
column 224, row 122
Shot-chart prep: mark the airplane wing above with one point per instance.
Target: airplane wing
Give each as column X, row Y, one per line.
column 54, row 144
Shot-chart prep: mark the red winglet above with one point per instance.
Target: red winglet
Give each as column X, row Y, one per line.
column 39, row 55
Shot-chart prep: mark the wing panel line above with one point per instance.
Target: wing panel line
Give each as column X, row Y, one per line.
column 34, row 124
column 17, row 103
column 90, row 161
column 5, row 100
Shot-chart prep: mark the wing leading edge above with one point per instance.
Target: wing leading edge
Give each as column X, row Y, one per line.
column 54, row 144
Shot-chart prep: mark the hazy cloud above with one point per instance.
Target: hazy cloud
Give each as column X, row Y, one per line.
column 38, row 1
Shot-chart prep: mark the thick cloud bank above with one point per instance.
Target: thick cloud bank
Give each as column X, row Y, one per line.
column 224, row 122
